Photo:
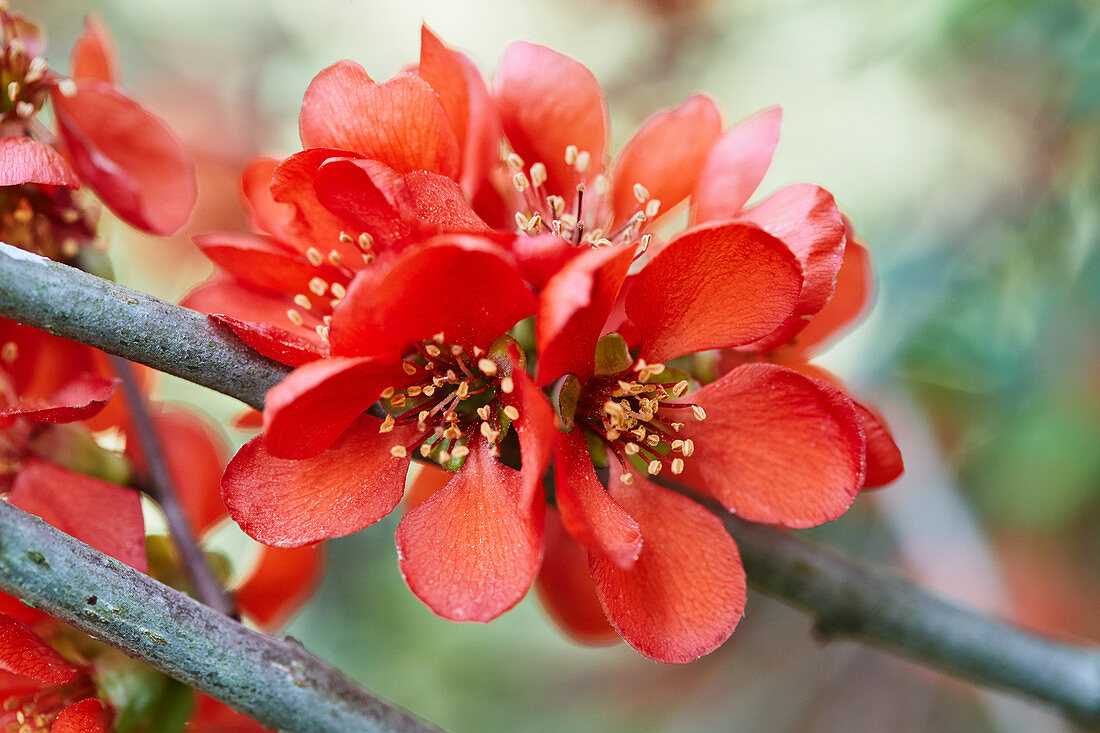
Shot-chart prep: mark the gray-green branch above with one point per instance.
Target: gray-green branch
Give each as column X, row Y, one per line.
column 846, row 597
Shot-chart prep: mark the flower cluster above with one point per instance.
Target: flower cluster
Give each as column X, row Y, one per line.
column 498, row 314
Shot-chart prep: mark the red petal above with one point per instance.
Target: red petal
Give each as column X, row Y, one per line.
column 471, row 551
column 439, row 204
column 442, row 69
column 665, row 155
column 100, row 514
column 196, row 455
column 87, row 716
column 592, row 517
column 264, row 213
column 213, row 716
column 686, row 593
column 884, row 462
column 136, row 165
column 573, row 309
column 548, row 101
column 307, row 411
column 93, row 55
column 289, row 503
column 463, row 286
column 534, row 428
column 310, row 223
column 565, row 588
column 428, row 481
column 229, row 296
column 282, row 581
column 714, row 286
column 400, row 122
column 273, row 342
column 267, row 265
column 777, row 447
column 24, row 653
column 806, row 219
column 853, row 295
column 25, row 160
column 541, row 256
column 735, row 166
column 79, row 399
column 483, row 134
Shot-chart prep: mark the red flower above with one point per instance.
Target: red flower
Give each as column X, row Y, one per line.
column 40, row 688
column 128, row 156
column 423, row 335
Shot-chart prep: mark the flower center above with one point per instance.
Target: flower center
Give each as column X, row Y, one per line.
column 455, row 393
column 327, row 288
column 36, row 712
column 22, row 76
column 583, row 215
column 54, row 224
column 638, row 418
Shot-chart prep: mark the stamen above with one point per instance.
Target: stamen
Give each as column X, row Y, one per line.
column 338, row 290
column 570, row 154
column 640, row 193
column 700, row 413
column 538, row 174
column 315, row 257
column 335, row 258
column 460, row 452
column 654, row 467
column 507, row 385
column 511, row 412
column 488, row 367
column 652, row 208
column 398, row 451
column 408, row 367
column 627, row 478
column 387, row 424
column 677, row 466
column 583, row 159
column 317, row 285
column 514, row 162
column 295, row 317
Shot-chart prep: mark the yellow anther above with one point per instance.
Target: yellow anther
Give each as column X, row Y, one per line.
column 425, row 450
column 654, row 467
column 570, row 154
column 521, row 220
column 487, row 431
column 463, row 390
column 387, row 424
column 444, row 456
column 613, row 434
column 368, row 258
column 640, row 193
column 511, row 412
column 538, row 174
column 676, row 426
column 295, row 317
column 315, row 257
column 680, row 388
column 9, row 352
column 433, row 350
column 338, row 290
column 460, row 452
column 533, row 223
column 652, row 440
column 346, row 238
column 318, row 286
column 429, row 390
column 452, row 433
column 689, row 448
column 602, row 184
column 677, row 466
column 302, row 301
column 583, row 159
column 423, row 416
column 414, row 391
column 514, row 162
column 507, row 385
column 652, row 208
column 398, row 451
column 450, row 416
column 387, row 393
column 398, row 400
column 366, row 242
column 483, row 412
column 408, row 367
column 700, row 413
column 488, row 367
column 335, row 258
column 520, row 182
column 456, row 350
column 627, row 478
column 632, row 449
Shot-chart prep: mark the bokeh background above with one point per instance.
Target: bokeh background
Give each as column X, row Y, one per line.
column 962, row 137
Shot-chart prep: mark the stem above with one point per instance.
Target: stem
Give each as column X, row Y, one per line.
column 276, row 682
column 162, row 488
column 847, row 597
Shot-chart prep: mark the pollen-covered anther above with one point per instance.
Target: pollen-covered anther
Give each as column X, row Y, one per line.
column 463, row 390
column 654, row 467
column 511, row 412
column 13, row 90
column 460, row 452
column 335, row 258
column 408, row 367
column 9, row 352
column 387, row 393
column 429, row 390
column 507, row 385
column 689, row 448
column 452, row 433
column 627, row 478
column 680, row 388
column 677, row 466
column 640, row 193
column 647, row 371
column 295, row 317
column 425, row 450
column 488, row 367
column 317, row 285
column 398, row 400
column 631, row 449
column 538, row 174
column 584, row 158
column 699, row 412
column 346, row 238
column 315, row 257
column 652, row 208
column 387, row 424
column 520, row 182
column 338, row 291
column 514, row 162
column 365, row 242
column 433, row 350
column 571, row 152
column 398, row 451
column 484, row 412
column 414, row 390
column 322, row 331
column 488, row 432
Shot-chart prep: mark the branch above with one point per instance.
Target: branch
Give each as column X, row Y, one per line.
column 847, row 597
column 276, row 682
column 162, row 488
column 178, row 341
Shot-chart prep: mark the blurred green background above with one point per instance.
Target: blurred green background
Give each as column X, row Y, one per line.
column 962, row 137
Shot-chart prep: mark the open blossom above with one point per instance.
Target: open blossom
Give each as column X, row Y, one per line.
column 104, row 140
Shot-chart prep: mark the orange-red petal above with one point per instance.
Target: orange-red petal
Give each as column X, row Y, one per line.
column 665, row 155
column 314, row 404
column 87, row 716
column 573, row 309
column 548, row 101
column 26, row 160
column 273, row 342
column 735, row 167
column 588, row 512
column 93, row 55
column 289, row 503
column 714, row 286
column 24, row 653
column 851, row 297
column 884, row 462
column 565, row 588
column 283, row 580
column 686, row 593
column 79, row 399
column 400, row 122
column 128, row 155
column 100, row 514
column 534, row 429
column 777, row 447
column 472, row 550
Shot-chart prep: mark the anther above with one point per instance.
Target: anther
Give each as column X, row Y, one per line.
column 322, row 331
column 338, row 290
column 511, row 412
column 346, row 238
column 295, row 317
column 514, row 162
column 507, row 385
column 387, row 424
column 484, row 411
column 408, row 368
column 520, row 182
column 538, row 174
column 66, row 87
column 689, row 448
column 583, row 159
column 627, row 478
column 652, row 208
column 302, row 301
column 398, row 400
column 646, row 239
column 570, row 154
column 317, row 285
column 429, row 390
column 433, row 350
column 439, row 338
column 640, row 193
column 315, row 257
column 415, row 390
column 365, row 241
column 9, row 351
column 460, row 452
column 654, row 467
column 387, row 393
column 425, row 450
column 463, row 390
column 398, row 451
column 24, row 109
column 631, row 449
column 680, row 388
column 677, row 466
column 488, row 367
column 13, row 90
column 700, row 413
column 335, row 258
